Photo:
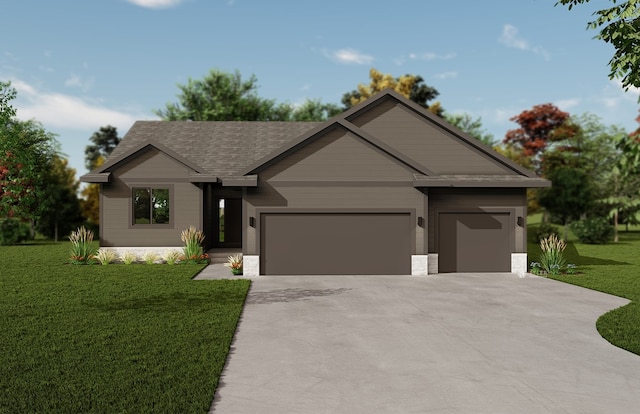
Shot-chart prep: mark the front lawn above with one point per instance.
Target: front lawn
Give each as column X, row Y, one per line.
column 116, row 338
column 611, row 268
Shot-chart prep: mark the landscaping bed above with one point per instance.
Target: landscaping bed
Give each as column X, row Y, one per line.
column 142, row 338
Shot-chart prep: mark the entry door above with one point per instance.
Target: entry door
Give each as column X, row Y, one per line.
column 228, row 222
column 475, row 242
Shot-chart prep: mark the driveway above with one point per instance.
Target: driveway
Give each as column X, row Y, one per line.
column 456, row 343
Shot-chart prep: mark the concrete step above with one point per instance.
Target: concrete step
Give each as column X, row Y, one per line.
column 222, row 255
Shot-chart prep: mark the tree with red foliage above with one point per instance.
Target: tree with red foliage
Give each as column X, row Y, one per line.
column 538, row 126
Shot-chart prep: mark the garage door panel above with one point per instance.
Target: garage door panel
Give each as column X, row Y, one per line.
column 335, row 243
column 475, row 242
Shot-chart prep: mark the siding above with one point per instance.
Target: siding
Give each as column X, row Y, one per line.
column 436, row 149
column 339, row 156
column 488, row 200
column 268, row 197
column 153, row 169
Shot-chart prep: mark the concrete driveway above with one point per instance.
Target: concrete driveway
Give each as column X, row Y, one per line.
column 456, row 343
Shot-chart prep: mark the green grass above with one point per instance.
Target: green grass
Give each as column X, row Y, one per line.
column 97, row 339
column 611, row 268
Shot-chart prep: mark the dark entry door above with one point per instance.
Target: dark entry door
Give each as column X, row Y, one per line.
column 336, row 244
column 229, row 222
column 475, row 242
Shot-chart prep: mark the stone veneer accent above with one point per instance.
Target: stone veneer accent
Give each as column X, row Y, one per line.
column 419, row 265
column 141, row 251
column 519, row 264
column 250, row 265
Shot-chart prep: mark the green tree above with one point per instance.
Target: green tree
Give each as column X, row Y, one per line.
column 104, row 141
column 409, row 86
column 619, row 26
column 314, row 110
column 473, row 127
column 62, row 213
column 570, row 195
column 26, row 152
column 221, row 96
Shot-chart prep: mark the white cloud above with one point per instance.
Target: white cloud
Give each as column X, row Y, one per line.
column 349, row 56
column 510, row 38
column 77, row 82
column 156, row 4
column 431, row 56
column 566, row 104
column 446, row 75
column 67, row 111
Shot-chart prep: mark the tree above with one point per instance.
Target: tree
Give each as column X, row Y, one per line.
column 104, row 141
column 570, row 195
column 90, row 203
column 62, row 213
column 472, row 127
column 409, row 86
column 314, row 110
column 538, row 126
column 620, row 26
column 220, row 96
column 26, row 151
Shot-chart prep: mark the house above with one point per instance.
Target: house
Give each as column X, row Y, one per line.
column 383, row 188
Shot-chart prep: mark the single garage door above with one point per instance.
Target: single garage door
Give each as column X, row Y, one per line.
column 475, row 242
column 335, row 243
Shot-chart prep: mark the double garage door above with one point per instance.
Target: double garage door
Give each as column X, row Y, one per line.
column 336, row 243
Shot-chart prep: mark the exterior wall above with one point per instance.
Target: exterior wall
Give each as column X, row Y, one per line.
column 424, row 142
column 337, row 172
column 149, row 169
column 479, row 199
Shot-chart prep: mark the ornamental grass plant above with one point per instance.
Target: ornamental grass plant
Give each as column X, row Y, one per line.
column 83, row 250
column 552, row 259
column 193, row 250
column 105, row 256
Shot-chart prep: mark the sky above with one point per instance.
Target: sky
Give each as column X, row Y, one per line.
column 79, row 65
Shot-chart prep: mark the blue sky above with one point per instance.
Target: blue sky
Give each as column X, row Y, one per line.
column 79, row 65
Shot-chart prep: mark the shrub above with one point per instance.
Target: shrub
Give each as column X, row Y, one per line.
column 193, row 250
column 82, row 249
column 105, row 256
column 234, row 263
column 150, row 257
column 171, row 256
column 594, row 230
column 552, row 258
column 128, row 257
column 545, row 230
column 13, row 231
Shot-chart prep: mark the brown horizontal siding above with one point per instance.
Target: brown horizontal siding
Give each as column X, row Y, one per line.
column 434, row 148
column 153, row 169
column 339, row 155
column 152, row 164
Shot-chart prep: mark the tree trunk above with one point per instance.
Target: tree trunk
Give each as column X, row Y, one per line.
column 566, row 232
column 615, row 225
column 55, row 231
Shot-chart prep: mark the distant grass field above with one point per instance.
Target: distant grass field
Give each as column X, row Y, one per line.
column 107, row 339
column 611, row 268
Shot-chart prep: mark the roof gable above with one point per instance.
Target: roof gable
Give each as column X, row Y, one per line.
column 412, row 135
column 337, row 154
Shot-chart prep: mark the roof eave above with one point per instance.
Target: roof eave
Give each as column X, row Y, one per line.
column 96, row 178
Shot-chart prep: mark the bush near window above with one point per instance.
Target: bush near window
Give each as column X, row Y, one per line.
column 594, row 230
column 13, row 231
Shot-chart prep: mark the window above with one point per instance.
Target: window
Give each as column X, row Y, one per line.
column 151, row 206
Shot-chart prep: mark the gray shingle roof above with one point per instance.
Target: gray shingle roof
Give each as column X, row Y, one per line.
column 221, row 148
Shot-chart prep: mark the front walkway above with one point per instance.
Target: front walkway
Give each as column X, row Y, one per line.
column 456, row 343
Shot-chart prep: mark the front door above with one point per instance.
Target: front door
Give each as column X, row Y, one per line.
column 228, row 222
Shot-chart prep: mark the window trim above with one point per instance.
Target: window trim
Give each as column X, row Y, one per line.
column 154, row 186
